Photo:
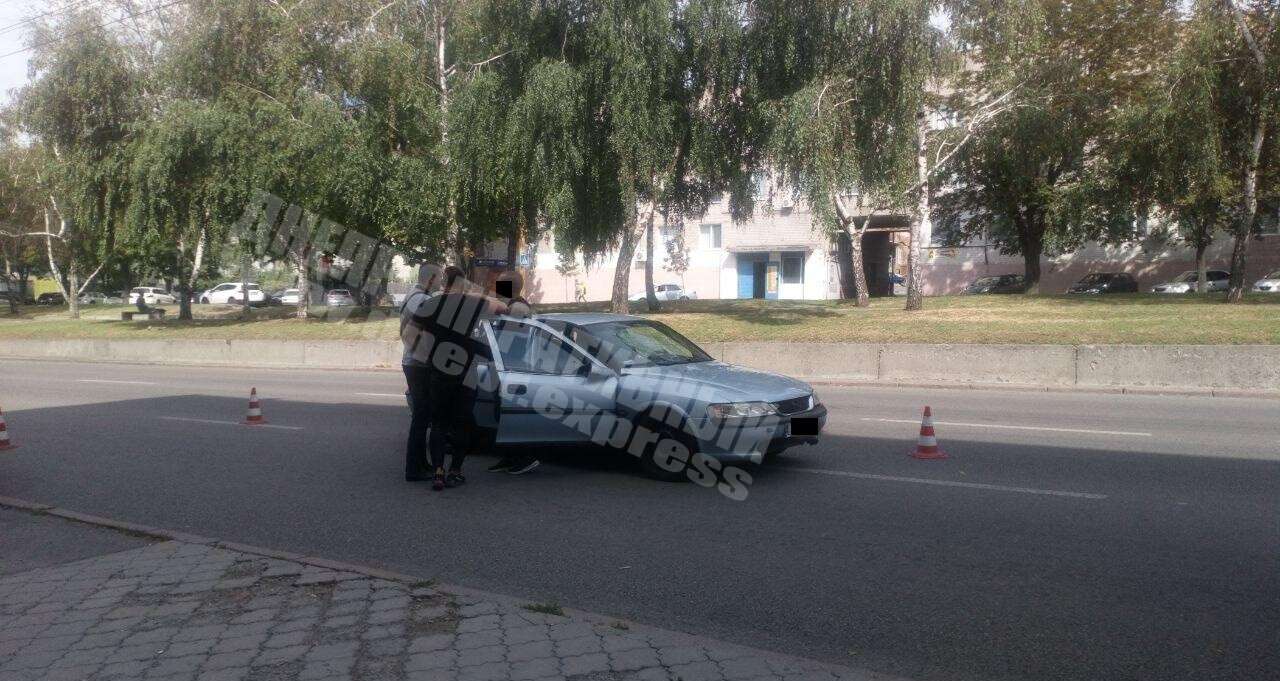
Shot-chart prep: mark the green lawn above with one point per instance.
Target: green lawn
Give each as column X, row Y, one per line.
column 1141, row 318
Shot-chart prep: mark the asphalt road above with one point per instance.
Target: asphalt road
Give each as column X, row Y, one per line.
column 1069, row 536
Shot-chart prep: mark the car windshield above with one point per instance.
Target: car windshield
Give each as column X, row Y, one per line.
column 1096, row 278
column 638, row 343
column 1274, row 275
column 1190, row 275
column 984, row 281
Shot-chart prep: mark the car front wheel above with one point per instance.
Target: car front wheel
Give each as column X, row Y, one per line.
column 655, row 461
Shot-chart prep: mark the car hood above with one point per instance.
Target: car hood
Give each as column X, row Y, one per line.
column 1267, row 282
column 717, row 382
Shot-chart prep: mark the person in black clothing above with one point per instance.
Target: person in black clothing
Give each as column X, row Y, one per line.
column 448, row 324
column 418, row 379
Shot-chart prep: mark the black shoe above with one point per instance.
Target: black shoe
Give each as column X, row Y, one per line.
column 455, row 480
column 522, row 467
column 504, row 464
column 437, row 482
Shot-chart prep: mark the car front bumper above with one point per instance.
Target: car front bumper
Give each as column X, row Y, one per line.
column 767, row 436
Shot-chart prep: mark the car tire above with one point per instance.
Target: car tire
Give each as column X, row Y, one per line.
column 648, row 461
column 204, row 300
column 684, row 297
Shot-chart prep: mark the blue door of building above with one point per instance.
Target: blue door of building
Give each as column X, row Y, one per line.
column 747, row 275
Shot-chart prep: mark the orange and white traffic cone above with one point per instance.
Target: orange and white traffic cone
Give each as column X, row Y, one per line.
column 254, row 417
column 927, row 446
column 4, row 436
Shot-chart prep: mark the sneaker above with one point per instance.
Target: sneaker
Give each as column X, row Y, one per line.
column 504, row 464
column 455, row 480
column 437, row 483
column 522, row 467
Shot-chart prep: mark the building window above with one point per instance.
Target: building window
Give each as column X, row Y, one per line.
column 710, row 236
column 793, row 268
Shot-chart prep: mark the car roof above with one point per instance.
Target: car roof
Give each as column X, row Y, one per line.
column 587, row 318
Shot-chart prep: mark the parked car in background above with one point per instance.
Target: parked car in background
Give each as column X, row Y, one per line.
column 96, row 298
column 1004, row 283
column 339, row 297
column 1105, row 282
column 1186, row 282
column 151, row 296
column 51, row 299
column 667, row 292
column 290, row 296
column 1269, row 283
column 231, row 293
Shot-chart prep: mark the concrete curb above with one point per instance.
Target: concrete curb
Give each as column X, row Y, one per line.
column 163, row 534
column 1207, row 370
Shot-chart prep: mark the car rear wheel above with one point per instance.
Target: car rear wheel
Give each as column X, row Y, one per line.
column 204, row 300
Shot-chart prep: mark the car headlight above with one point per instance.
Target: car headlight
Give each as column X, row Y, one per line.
column 740, row 410
column 813, row 399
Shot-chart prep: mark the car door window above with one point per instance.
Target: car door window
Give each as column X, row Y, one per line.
column 526, row 348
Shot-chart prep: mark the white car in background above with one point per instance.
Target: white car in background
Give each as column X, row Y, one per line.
column 231, row 294
column 1216, row 280
column 667, row 292
column 290, row 296
column 150, row 295
column 1268, row 284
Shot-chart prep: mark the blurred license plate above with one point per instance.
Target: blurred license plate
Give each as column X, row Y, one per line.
column 805, row 425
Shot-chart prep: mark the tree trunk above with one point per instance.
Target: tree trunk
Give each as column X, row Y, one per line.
column 304, row 287
column 244, row 285
column 1248, row 211
column 1202, row 274
column 859, row 273
column 622, row 272
column 844, row 265
column 650, row 298
column 922, row 225
column 73, row 286
column 1031, row 242
column 1031, row 271
column 513, row 246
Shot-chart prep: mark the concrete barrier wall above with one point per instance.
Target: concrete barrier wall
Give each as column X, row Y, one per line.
column 1196, row 367
column 1051, row 365
column 1241, row 367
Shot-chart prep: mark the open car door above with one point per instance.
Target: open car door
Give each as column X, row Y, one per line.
column 550, row 390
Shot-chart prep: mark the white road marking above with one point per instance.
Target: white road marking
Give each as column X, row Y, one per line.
column 400, row 395
column 228, row 423
column 1004, row 427
column 953, row 483
column 103, row 380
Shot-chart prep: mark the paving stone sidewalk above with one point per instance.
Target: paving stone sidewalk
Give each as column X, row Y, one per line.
column 190, row 611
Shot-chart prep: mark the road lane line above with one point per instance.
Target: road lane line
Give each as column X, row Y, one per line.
column 103, row 380
column 1004, row 427
column 953, row 483
column 399, row 395
column 228, row 423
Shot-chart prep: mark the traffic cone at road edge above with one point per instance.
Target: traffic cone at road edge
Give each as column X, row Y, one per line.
column 254, row 417
column 927, row 446
column 4, row 435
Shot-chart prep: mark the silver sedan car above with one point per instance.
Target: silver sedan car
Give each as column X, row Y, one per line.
column 613, row 379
